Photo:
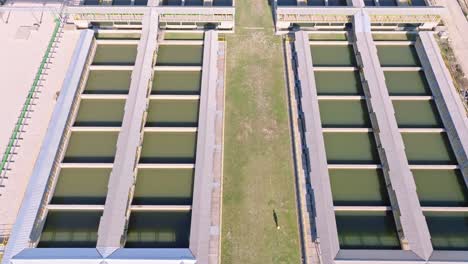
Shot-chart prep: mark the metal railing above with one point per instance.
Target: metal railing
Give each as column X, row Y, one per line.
column 24, row 114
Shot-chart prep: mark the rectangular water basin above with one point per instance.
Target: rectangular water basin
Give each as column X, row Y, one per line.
column 172, row 186
column 338, row 83
column 183, row 36
column 367, row 230
column 169, row 147
column 392, row 36
column 158, row 230
column 91, row 147
column 113, row 54
column 102, row 34
column 333, row 55
column 177, row 82
column 70, row 229
column 180, row 113
column 358, row 187
column 395, row 56
column 351, row 148
column 416, row 114
column 441, row 187
column 428, row 148
column 100, row 112
column 407, row 83
column 344, row 113
column 108, row 82
column 81, row 186
column 180, row 55
column 449, row 231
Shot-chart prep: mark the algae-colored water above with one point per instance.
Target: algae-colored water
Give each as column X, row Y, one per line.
column 100, row 112
column 407, row 83
column 169, row 147
column 441, row 187
column 158, row 230
column 183, row 55
column 115, row 54
column 81, row 186
column 391, row 56
column 183, row 36
column 93, row 147
column 338, row 83
column 176, row 82
column 417, row 114
column 367, row 230
column 363, row 187
column 108, row 82
column 70, row 229
column 344, row 113
column 449, row 231
column 351, row 148
column 173, row 113
column 164, row 187
column 330, row 55
column 428, row 148
column 102, row 34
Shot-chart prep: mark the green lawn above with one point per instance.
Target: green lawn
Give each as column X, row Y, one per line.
column 258, row 170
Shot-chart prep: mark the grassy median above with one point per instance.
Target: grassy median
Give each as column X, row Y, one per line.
column 258, row 176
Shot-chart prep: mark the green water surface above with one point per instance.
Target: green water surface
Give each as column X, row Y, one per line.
column 115, row 55
column 428, row 148
column 81, row 186
column 91, row 147
column 158, row 230
column 177, row 82
column 441, row 188
column 164, row 187
column 178, row 147
column 185, row 55
column 360, row 187
column 416, row 114
column 407, row 83
column 351, row 148
column 404, row 55
column 449, row 231
column 100, row 112
column 331, row 55
column 367, row 230
column 338, row 83
column 108, row 82
column 173, row 113
column 70, row 229
column 344, row 113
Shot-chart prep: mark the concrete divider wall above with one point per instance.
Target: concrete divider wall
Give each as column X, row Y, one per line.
column 447, row 100
column 390, row 143
column 200, row 231
column 316, row 170
column 112, row 227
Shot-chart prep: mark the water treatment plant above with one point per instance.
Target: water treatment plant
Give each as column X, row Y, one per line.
column 223, row 131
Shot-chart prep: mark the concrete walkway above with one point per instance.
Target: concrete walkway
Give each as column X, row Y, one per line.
column 20, row 60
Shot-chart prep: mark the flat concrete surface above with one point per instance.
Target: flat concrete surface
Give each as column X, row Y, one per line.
column 458, row 30
column 22, row 60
